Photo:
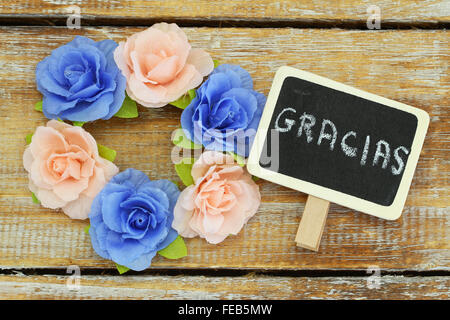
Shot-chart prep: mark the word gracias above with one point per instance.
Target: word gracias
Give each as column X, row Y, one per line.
column 329, row 132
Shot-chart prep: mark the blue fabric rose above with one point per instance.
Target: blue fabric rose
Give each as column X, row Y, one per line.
column 131, row 219
column 80, row 81
column 225, row 113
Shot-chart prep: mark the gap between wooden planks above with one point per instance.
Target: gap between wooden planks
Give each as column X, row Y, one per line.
column 408, row 66
column 268, row 11
column 244, row 288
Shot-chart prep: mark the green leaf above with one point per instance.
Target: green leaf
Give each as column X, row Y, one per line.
column 78, row 123
column 192, row 94
column 185, row 100
column 35, row 199
column 180, row 139
column 183, row 170
column 216, row 63
column 255, row 178
column 128, row 109
column 38, row 106
column 107, row 153
column 121, row 269
column 28, row 138
column 239, row 159
column 86, row 229
column 176, row 250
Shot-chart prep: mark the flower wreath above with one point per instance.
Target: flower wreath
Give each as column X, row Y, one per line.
column 131, row 217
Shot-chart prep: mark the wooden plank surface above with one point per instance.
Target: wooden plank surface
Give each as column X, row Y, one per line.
column 410, row 66
column 237, row 288
column 264, row 10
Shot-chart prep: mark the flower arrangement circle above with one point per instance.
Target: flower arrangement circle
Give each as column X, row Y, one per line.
column 160, row 65
column 133, row 218
column 81, row 82
column 65, row 169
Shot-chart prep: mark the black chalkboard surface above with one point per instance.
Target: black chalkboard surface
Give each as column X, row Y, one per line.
column 313, row 120
column 338, row 142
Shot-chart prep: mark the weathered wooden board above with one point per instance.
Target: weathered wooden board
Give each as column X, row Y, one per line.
column 236, row 288
column 266, row 10
column 408, row 66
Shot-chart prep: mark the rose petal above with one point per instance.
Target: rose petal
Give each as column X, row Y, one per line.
column 215, row 238
column 145, row 103
column 58, row 125
column 96, row 182
column 81, row 138
column 47, row 138
column 139, row 68
column 231, row 172
column 182, row 216
column 128, row 48
column 196, row 222
column 206, row 160
column 201, row 60
column 119, row 58
column 123, row 251
column 212, row 223
column 49, row 199
column 79, row 208
column 35, row 174
column 146, row 92
column 70, row 189
column 165, row 71
column 188, row 78
column 109, row 168
column 27, row 159
column 87, row 169
column 178, row 41
column 111, row 209
column 74, row 168
column 215, row 197
column 171, row 27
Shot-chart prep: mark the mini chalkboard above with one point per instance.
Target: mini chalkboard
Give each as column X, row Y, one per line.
column 337, row 144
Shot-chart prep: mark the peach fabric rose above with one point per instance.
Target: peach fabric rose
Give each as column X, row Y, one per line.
column 65, row 169
column 160, row 65
column 223, row 198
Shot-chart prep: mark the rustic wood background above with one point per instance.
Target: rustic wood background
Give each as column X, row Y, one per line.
column 407, row 60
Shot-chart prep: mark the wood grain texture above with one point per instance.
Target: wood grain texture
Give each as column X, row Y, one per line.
column 408, row 66
column 265, row 10
column 236, row 288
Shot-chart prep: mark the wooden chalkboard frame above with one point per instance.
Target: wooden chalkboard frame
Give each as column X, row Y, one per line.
column 390, row 212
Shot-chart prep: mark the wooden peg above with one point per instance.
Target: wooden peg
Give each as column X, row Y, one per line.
column 312, row 223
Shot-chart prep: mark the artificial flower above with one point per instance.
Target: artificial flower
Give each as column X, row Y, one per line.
column 223, row 198
column 80, row 81
column 160, row 65
column 65, row 169
column 131, row 219
column 225, row 113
